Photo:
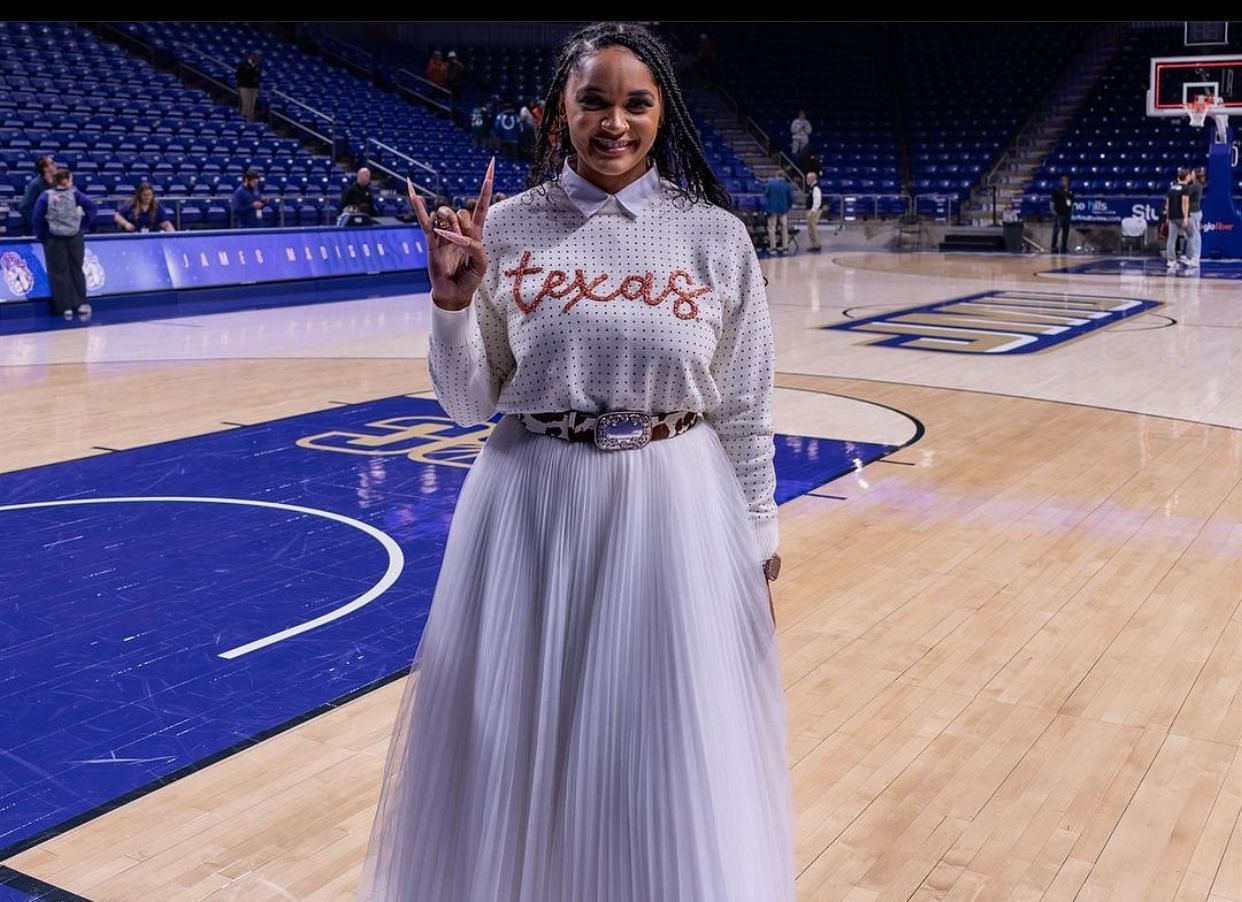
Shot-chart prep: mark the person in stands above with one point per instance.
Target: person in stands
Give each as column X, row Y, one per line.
column 248, row 203
column 143, row 213
column 45, row 169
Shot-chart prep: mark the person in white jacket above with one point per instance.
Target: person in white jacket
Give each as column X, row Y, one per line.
column 799, row 135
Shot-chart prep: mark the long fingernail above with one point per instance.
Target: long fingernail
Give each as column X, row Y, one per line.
column 459, row 240
column 491, row 167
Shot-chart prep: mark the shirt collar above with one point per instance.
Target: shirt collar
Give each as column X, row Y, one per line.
column 589, row 199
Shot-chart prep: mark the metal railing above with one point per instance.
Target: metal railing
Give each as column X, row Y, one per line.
column 202, row 74
column 438, row 90
column 435, row 188
column 110, row 204
column 320, row 117
column 318, row 114
column 427, row 92
column 845, row 207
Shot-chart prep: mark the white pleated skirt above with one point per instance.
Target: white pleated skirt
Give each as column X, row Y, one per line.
column 595, row 711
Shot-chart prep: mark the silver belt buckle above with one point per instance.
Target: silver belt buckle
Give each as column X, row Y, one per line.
column 622, row 430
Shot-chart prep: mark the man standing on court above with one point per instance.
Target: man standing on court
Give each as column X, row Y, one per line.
column 1194, row 220
column 1177, row 215
column 248, row 84
column 814, row 208
column 1062, row 213
column 779, row 201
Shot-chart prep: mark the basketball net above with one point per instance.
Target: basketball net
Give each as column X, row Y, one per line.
column 1204, row 105
column 1198, row 108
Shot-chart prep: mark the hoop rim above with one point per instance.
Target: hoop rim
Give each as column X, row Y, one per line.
column 1200, row 106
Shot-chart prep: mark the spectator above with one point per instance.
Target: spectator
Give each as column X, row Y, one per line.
column 143, row 213
column 437, row 69
column 814, row 209
column 778, row 203
column 1062, row 214
column 481, row 125
column 357, row 197
column 61, row 215
column 537, row 112
column 526, row 139
column 455, row 72
column 493, row 110
column 45, row 169
column 248, row 84
column 508, row 131
column 800, row 135
column 1177, row 215
column 248, row 204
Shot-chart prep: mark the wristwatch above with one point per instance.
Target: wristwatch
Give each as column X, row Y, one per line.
column 772, row 568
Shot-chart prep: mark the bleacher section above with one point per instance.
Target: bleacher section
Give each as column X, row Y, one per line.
column 116, row 121
column 835, row 74
column 967, row 88
column 1112, row 149
column 901, row 113
column 520, row 75
column 361, row 112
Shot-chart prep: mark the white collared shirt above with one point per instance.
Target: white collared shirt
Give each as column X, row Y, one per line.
column 590, row 199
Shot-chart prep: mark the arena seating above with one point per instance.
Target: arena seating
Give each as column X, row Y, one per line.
column 116, row 121
column 830, row 71
column 361, row 111
column 521, row 75
column 967, row 88
column 1112, row 148
column 898, row 110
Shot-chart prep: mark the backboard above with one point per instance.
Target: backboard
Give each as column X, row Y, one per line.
column 1177, row 80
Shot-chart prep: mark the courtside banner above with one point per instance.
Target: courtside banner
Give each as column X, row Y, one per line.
column 132, row 264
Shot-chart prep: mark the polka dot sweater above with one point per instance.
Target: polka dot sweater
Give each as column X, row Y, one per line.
column 638, row 301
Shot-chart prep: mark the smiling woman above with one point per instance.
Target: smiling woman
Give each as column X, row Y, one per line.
column 595, row 709
column 615, row 108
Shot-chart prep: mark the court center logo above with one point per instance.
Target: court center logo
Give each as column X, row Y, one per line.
column 998, row 322
column 428, row 440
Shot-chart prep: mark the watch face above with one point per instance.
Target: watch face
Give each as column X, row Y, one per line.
column 772, row 567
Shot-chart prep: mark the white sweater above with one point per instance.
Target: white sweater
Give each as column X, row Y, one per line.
column 638, row 301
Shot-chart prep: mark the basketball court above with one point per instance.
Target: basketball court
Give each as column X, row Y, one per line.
column 1010, row 619
column 1009, row 616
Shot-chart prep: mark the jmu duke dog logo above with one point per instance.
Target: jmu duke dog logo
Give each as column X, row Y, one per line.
column 998, row 322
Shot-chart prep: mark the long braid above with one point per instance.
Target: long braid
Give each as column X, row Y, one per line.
column 678, row 153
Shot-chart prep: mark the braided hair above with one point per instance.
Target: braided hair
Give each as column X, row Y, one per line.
column 677, row 152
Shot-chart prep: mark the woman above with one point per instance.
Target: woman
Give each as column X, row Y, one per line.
column 143, row 213
column 595, row 709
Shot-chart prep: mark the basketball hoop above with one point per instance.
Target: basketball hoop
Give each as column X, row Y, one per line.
column 1199, row 108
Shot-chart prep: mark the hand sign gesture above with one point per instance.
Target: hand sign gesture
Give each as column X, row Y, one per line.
column 456, row 260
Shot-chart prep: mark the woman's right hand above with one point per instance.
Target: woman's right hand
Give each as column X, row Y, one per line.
column 456, row 261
